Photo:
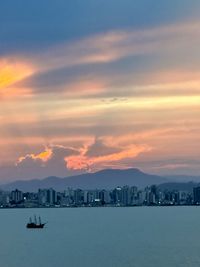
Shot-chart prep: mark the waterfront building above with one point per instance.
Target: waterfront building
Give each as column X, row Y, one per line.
column 126, row 195
column 47, row 196
column 4, row 198
column 105, row 196
column 69, row 196
column 196, row 193
column 140, row 199
column 16, row 196
column 78, row 197
column 42, row 196
column 51, row 196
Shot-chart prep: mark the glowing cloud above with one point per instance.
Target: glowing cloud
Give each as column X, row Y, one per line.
column 12, row 71
column 86, row 162
column 44, row 156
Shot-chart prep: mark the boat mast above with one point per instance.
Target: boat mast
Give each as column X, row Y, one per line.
column 39, row 220
column 35, row 219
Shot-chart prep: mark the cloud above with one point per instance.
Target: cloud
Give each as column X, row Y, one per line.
column 172, row 166
column 29, row 27
column 12, row 71
column 51, row 154
column 91, row 159
column 48, row 162
column 98, row 149
column 64, row 160
column 43, row 156
column 137, row 90
column 114, row 45
column 149, row 62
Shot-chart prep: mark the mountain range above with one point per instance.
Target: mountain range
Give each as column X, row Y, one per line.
column 104, row 179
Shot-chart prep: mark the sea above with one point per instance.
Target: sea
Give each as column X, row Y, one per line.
column 102, row 237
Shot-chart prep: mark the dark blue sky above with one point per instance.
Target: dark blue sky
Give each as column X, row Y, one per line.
column 32, row 25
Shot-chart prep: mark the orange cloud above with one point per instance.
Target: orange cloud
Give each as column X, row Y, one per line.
column 44, row 156
column 83, row 162
column 12, row 71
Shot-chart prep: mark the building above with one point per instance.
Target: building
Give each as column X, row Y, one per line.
column 47, row 196
column 126, row 195
column 196, row 193
column 78, row 197
column 4, row 198
column 42, row 196
column 51, row 196
column 16, row 196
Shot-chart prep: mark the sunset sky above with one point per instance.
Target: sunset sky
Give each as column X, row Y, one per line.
column 92, row 84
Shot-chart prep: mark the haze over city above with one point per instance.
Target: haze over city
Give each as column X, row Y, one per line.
column 91, row 85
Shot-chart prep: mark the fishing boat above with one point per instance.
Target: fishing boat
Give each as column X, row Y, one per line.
column 35, row 224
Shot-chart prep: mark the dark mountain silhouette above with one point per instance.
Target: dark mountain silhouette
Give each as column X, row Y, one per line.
column 184, row 178
column 107, row 179
column 179, row 186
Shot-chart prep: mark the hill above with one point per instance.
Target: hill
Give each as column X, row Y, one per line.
column 104, row 179
column 179, row 186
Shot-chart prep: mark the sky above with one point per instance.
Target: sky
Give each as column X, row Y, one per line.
column 96, row 84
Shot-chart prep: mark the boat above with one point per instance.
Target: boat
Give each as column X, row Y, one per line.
column 35, row 224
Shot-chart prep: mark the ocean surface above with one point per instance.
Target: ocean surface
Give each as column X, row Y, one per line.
column 102, row 237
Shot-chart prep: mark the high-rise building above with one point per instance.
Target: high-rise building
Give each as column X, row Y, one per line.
column 4, row 198
column 47, row 196
column 196, row 193
column 16, row 196
column 78, row 196
column 51, row 196
column 42, row 196
column 126, row 195
column 104, row 196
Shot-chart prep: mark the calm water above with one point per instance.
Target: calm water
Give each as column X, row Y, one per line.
column 94, row 237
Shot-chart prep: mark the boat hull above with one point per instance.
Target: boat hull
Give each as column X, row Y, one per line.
column 35, row 226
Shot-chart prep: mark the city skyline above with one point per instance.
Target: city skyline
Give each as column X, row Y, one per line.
column 90, row 85
column 120, row 196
